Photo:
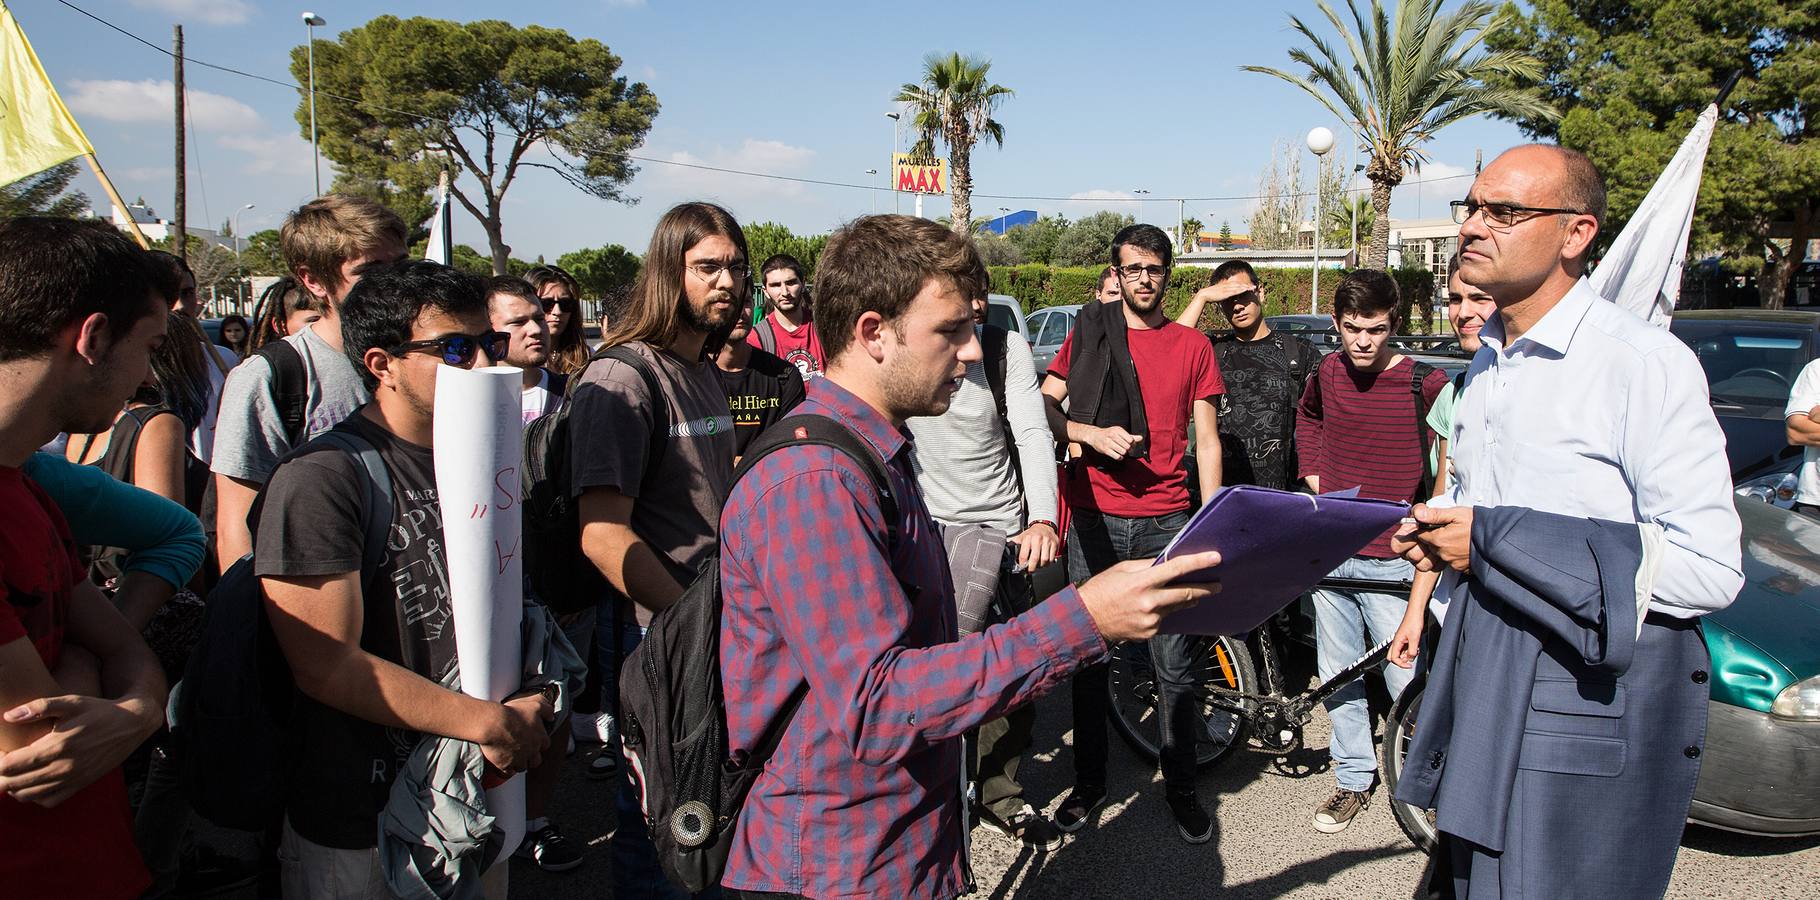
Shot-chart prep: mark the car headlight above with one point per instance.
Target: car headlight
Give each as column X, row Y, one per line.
column 1800, row 700
column 1776, row 489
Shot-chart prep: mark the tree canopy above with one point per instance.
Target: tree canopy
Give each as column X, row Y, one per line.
column 1088, row 241
column 1631, row 77
column 1396, row 84
column 602, row 271
column 486, row 98
column 954, row 104
column 44, row 194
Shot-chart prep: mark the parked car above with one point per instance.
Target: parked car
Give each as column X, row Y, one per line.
column 1751, row 358
column 1049, row 327
column 1318, row 330
column 1004, row 311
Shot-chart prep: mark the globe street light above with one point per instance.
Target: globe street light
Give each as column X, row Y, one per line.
column 310, row 23
column 1320, row 140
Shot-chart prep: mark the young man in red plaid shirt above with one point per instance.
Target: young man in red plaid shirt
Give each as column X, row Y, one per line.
column 862, row 797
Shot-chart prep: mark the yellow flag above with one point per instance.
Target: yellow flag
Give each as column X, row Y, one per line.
column 36, row 129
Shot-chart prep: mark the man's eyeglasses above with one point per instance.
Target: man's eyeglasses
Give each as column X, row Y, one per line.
column 711, row 270
column 1133, row 272
column 459, row 349
column 1503, row 214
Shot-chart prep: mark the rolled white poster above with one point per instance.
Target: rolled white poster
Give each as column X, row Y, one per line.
column 479, row 447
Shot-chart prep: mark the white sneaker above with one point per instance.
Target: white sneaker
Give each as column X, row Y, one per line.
column 594, row 728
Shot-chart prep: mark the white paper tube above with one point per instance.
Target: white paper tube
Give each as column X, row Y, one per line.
column 479, row 448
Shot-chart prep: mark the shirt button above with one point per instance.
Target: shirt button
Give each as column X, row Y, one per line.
column 913, row 718
column 1699, row 677
column 1434, row 760
column 1692, row 753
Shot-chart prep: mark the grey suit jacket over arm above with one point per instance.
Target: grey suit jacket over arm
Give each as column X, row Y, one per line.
column 1539, row 580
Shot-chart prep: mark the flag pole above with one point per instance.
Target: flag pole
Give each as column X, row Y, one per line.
column 106, row 185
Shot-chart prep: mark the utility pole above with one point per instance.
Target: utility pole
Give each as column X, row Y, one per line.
column 180, row 239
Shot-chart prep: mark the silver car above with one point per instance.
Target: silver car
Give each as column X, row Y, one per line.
column 1049, row 327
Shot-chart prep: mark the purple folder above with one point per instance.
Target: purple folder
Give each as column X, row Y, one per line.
column 1275, row 546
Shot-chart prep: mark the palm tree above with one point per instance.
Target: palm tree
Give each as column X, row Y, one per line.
column 1398, row 87
column 954, row 103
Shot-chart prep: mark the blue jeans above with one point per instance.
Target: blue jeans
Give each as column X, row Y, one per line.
column 1097, row 542
column 1342, row 620
column 636, row 872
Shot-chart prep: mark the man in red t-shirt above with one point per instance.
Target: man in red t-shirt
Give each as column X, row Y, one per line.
column 788, row 332
column 1362, row 424
column 79, row 689
column 1130, row 497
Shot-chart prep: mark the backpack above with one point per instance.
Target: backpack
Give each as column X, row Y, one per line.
column 561, row 575
column 673, row 709
column 290, row 387
column 767, row 339
column 230, row 714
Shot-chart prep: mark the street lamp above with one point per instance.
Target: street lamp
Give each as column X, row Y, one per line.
column 239, row 271
column 874, row 195
column 310, row 22
column 1320, row 141
column 897, row 141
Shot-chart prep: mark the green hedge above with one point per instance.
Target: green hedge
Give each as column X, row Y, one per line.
column 1285, row 290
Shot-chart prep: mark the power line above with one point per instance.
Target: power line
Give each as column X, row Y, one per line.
column 700, row 166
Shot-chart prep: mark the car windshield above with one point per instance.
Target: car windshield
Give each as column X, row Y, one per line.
column 1747, row 363
column 1001, row 316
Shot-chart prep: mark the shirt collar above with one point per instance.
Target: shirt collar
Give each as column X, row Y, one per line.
column 1557, row 327
column 859, row 416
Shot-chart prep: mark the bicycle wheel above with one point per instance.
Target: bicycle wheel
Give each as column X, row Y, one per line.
column 1399, row 729
column 1222, row 668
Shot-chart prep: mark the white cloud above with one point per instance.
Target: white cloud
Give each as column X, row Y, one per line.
column 767, row 157
column 1083, row 203
column 212, row 12
column 273, row 153
column 150, row 101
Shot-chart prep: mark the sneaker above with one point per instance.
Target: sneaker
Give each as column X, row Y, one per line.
column 1333, row 816
column 1025, row 825
column 605, row 764
column 1082, row 803
column 594, row 728
column 1191, row 818
column 550, row 850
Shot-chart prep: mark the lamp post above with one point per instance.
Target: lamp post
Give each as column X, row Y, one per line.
column 897, row 141
column 874, row 195
column 1320, row 140
column 310, row 22
column 239, row 271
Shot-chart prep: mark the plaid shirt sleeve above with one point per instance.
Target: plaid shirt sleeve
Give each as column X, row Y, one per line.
column 883, row 667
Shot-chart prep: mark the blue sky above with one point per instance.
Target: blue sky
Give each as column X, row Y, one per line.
column 1108, row 102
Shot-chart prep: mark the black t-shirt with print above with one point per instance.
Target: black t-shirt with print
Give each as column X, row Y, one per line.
column 1257, row 412
column 309, row 524
column 759, row 394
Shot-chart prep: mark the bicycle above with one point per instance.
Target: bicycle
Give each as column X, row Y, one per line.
column 1233, row 708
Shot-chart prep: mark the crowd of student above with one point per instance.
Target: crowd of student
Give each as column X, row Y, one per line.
column 867, row 626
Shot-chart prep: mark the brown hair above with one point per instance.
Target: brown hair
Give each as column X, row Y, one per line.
column 332, row 229
column 653, row 312
column 879, row 264
column 1367, row 293
column 568, row 352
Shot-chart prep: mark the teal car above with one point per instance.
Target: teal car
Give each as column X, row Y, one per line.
column 1761, row 769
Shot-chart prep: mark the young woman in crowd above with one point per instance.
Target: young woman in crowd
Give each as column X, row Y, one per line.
column 561, row 297
column 234, row 333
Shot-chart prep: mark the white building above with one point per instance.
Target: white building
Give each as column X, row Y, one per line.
column 156, row 229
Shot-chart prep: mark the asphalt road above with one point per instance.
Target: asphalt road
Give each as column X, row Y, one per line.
column 1263, row 845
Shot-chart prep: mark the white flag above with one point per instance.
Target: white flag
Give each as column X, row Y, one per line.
column 1642, row 270
column 437, row 250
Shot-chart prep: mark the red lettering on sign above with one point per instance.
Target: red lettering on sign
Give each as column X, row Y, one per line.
column 505, row 556
column 906, row 179
column 935, row 181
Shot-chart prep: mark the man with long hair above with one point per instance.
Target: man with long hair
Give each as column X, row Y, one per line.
column 652, row 466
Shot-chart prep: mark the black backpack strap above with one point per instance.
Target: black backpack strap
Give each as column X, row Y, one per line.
column 767, row 339
column 559, row 383
column 376, row 510
column 1418, row 375
column 290, row 387
column 660, row 414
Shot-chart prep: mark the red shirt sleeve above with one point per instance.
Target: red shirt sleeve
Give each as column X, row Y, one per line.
column 1059, row 365
column 1207, row 381
column 11, row 629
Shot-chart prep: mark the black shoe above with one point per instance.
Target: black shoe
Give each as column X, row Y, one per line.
column 1025, row 825
column 550, row 849
column 1078, row 809
column 604, row 765
column 1190, row 819
column 207, row 872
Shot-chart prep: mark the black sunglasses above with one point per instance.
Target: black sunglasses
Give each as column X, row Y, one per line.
column 550, row 303
column 460, row 349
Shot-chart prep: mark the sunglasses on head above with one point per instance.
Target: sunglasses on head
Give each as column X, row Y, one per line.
column 459, row 349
